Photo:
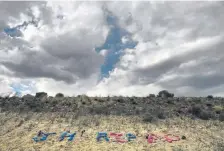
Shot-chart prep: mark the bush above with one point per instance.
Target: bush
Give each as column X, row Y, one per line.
column 161, row 115
column 221, row 116
column 218, row 146
column 177, row 148
column 196, row 110
column 120, row 100
column 148, row 118
column 28, row 97
column 40, row 94
column 208, row 104
column 54, row 102
column 59, row 95
column 85, row 98
column 218, row 109
column 134, row 102
column 210, row 97
column 152, row 95
column 165, row 94
column 205, row 115
column 170, row 101
column 98, row 109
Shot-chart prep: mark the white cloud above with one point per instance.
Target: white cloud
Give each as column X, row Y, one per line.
column 170, row 35
column 61, row 50
column 179, row 47
column 5, row 89
column 125, row 39
column 104, row 52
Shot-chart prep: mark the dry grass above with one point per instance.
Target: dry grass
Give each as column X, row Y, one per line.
column 17, row 131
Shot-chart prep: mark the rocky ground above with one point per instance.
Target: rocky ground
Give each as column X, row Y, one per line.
column 199, row 119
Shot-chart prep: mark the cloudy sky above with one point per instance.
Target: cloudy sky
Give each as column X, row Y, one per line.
column 112, row 48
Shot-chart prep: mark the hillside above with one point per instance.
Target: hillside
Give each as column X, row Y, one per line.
column 199, row 120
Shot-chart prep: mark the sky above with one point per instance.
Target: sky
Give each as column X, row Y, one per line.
column 112, row 48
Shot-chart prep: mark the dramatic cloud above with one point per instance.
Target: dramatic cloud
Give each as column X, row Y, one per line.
column 112, row 48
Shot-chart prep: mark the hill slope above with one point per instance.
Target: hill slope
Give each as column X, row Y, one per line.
column 200, row 120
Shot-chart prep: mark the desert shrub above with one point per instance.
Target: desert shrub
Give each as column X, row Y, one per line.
column 99, row 110
column 210, row 97
column 161, row 115
column 177, row 148
column 209, row 104
column 96, row 122
column 148, row 118
column 195, row 110
column 86, row 122
column 28, row 97
column 218, row 146
column 40, row 94
column 221, row 116
column 134, row 102
column 120, row 100
column 152, row 95
column 84, row 98
column 170, row 101
column 66, row 103
column 165, row 94
column 218, row 109
column 54, row 102
column 33, row 104
column 205, row 115
column 59, row 95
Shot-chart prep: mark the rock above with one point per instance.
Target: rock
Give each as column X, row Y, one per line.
column 183, row 137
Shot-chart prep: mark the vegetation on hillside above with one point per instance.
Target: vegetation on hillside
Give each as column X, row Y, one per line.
column 199, row 120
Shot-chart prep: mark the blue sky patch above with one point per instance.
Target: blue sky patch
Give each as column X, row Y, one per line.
column 13, row 32
column 114, row 45
column 18, row 88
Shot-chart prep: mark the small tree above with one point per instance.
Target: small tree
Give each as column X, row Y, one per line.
column 165, row 94
column 40, row 94
column 210, row 97
column 59, row 95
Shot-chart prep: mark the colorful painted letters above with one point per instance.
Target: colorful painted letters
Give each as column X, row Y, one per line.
column 43, row 138
column 67, row 134
column 115, row 137
column 130, row 137
column 111, row 137
column 101, row 135
column 118, row 137
column 151, row 138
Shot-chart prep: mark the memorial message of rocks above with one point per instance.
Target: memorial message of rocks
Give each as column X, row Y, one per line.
column 114, row 137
